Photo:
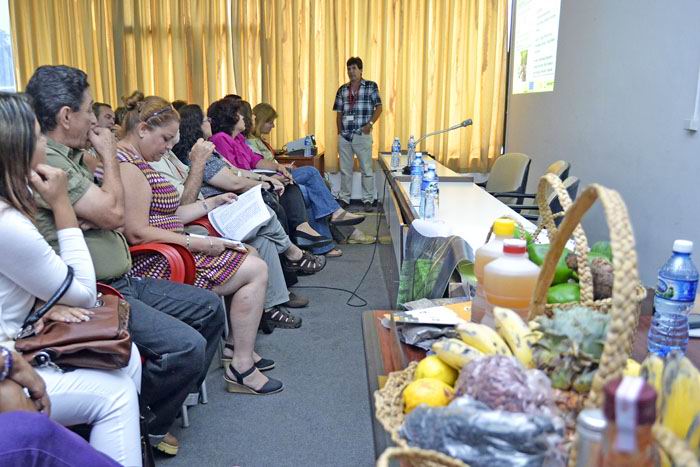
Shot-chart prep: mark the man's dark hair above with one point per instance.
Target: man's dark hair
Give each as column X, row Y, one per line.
column 354, row 61
column 178, row 104
column 97, row 106
column 54, row 87
column 234, row 97
column 223, row 115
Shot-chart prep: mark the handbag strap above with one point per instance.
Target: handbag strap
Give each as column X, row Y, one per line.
column 42, row 310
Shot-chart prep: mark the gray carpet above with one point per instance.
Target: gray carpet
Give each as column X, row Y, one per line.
column 322, row 417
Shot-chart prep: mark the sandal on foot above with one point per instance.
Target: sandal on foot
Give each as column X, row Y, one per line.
column 238, row 386
column 307, row 242
column 277, row 317
column 263, row 364
column 347, row 218
column 334, row 253
column 307, row 264
column 168, row 445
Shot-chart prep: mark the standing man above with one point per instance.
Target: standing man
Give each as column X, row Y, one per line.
column 358, row 107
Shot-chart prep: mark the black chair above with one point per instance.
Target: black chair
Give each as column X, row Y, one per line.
column 531, row 211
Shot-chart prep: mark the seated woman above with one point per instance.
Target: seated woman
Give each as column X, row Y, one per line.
column 228, row 126
column 153, row 214
column 107, row 400
column 32, row 438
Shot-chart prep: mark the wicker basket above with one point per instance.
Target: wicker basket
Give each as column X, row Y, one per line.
column 623, row 307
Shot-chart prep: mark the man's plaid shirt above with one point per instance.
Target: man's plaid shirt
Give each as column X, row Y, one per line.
column 360, row 106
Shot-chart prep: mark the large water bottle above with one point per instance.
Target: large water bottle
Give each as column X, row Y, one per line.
column 411, row 150
column 396, row 153
column 673, row 300
column 429, row 193
column 416, row 180
column 307, row 146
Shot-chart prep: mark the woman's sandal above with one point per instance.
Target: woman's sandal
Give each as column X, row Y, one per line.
column 238, row 386
column 263, row 364
column 347, row 218
column 277, row 317
column 308, row 264
column 307, row 241
column 334, row 253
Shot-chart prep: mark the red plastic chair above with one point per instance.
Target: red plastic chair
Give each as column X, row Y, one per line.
column 181, row 262
column 204, row 222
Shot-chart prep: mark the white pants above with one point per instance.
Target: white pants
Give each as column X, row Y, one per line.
column 106, row 400
column 361, row 145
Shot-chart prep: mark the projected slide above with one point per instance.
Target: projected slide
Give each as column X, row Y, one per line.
column 535, row 47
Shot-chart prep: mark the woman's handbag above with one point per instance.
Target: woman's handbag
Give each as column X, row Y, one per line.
column 103, row 342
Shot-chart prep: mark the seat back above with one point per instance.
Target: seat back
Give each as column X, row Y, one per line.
column 509, row 173
column 559, row 168
column 571, row 186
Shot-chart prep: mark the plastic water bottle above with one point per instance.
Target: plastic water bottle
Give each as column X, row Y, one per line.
column 416, row 180
column 673, row 300
column 307, row 147
column 396, row 153
column 429, row 183
column 411, row 150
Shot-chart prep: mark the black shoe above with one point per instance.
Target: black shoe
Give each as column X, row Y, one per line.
column 308, row 242
column 343, row 204
column 368, row 206
column 277, row 317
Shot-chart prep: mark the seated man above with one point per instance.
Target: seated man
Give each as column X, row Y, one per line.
column 176, row 327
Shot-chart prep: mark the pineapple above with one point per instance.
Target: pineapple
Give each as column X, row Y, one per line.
column 570, row 347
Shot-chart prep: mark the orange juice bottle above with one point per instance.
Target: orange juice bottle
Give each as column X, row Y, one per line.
column 502, row 229
column 510, row 280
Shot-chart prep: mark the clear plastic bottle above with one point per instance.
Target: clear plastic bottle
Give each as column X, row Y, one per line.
column 416, row 180
column 502, row 229
column 673, row 300
column 307, row 147
column 396, row 153
column 411, row 150
column 430, row 181
column 510, row 280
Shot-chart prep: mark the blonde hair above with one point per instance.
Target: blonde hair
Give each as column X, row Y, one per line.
column 264, row 113
column 152, row 110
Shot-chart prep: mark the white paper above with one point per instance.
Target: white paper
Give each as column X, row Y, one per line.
column 433, row 315
column 240, row 219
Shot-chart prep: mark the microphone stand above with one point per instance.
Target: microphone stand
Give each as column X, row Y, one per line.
column 407, row 169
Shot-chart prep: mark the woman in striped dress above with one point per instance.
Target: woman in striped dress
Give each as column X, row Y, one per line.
column 153, row 214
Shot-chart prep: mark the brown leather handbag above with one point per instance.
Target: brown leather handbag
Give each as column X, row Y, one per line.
column 103, row 342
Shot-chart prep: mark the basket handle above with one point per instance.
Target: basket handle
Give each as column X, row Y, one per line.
column 434, row 457
column 624, row 313
column 553, row 182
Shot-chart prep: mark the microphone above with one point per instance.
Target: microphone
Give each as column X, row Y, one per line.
column 463, row 124
column 407, row 169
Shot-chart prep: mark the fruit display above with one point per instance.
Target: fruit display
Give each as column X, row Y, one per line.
column 516, row 334
column 432, row 367
column 455, row 353
column 570, row 346
column 483, row 338
column 428, row 391
column 677, row 384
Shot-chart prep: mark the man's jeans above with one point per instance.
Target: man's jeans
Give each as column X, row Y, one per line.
column 176, row 328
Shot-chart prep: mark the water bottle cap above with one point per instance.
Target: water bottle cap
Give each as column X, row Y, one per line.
column 504, row 227
column 514, row 245
column 432, row 166
column 683, row 246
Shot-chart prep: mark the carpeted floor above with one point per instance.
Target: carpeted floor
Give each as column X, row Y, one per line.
column 322, row 417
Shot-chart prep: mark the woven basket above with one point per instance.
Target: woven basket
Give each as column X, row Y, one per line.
column 623, row 307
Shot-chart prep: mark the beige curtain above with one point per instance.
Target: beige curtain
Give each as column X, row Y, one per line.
column 437, row 62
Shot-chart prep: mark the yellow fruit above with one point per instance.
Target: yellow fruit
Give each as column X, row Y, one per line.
column 483, row 338
column 516, row 333
column 432, row 367
column 455, row 353
column 632, row 368
column 429, row 391
column 680, row 402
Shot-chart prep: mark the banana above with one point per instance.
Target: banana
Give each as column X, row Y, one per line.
column 455, row 353
column 483, row 338
column 516, row 333
column 652, row 371
column 680, row 388
column 632, row 368
column 693, row 435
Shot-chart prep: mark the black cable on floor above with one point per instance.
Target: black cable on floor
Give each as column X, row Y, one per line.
column 353, row 294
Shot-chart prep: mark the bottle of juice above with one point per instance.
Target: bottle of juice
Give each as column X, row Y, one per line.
column 510, row 280
column 502, row 229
